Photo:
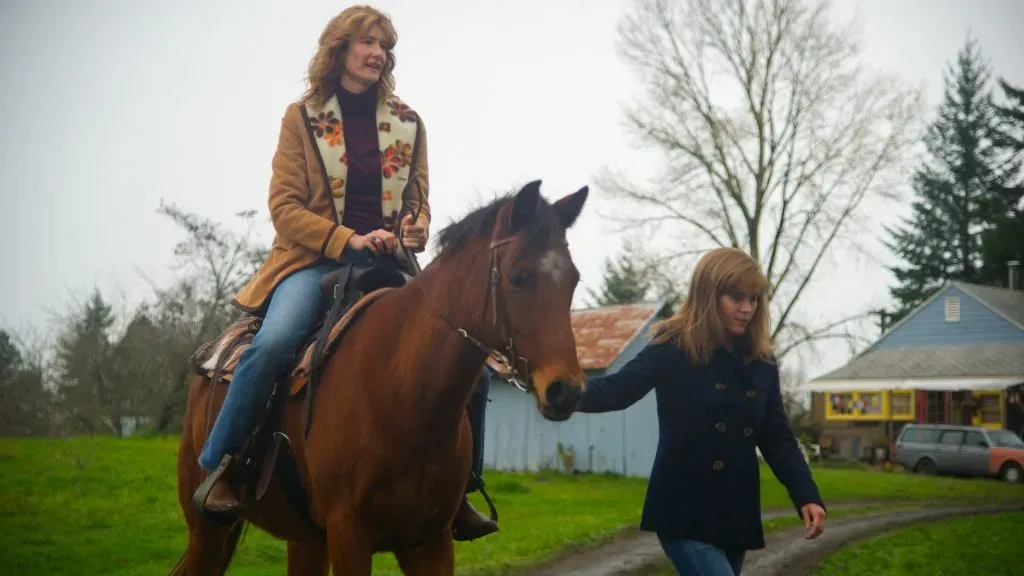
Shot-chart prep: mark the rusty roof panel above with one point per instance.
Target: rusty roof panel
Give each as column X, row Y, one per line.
column 602, row 334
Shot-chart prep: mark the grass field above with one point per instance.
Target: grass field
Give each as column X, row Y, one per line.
column 107, row 506
column 987, row 544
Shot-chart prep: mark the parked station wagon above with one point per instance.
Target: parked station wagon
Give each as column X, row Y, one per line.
column 960, row 450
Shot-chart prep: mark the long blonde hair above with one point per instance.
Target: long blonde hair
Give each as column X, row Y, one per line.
column 697, row 327
column 327, row 64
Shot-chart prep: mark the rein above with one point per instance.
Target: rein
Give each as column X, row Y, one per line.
column 508, row 366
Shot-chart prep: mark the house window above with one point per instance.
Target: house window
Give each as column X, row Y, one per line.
column 935, row 407
column 841, row 404
column 952, row 309
column 901, row 405
column 870, row 406
column 990, row 409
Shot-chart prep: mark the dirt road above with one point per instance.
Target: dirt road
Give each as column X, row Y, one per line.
column 787, row 552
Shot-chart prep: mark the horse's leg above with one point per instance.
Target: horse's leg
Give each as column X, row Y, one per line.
column 307, row 559
column 434, row 557
column 210, row 548
column 210, row 545
column 349, row 549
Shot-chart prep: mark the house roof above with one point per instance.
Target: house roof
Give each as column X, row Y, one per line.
column 977, row 366
column 1007, row 303
column 977, row 361
column 602, row 334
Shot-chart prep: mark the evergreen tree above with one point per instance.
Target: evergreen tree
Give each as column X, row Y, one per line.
column 24, row 400
column 1004, row 241
column 1012, row 114
column 954, row 188
column 86, row 386
column 633, row 277
column 623, row 282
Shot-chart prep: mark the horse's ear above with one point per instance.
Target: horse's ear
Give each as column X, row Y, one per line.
column 525, row 206
column 569, row 207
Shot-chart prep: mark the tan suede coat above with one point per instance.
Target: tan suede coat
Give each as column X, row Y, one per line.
column 303, row 210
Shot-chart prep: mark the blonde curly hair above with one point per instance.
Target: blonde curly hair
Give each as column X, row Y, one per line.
column 327, row 64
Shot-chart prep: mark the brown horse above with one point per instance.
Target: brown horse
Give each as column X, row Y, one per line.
column 388, row 452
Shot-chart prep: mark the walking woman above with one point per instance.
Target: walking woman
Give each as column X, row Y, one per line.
column 349, row 152
column 712, row 368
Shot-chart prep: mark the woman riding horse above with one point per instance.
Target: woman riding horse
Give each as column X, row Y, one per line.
column 371, row 147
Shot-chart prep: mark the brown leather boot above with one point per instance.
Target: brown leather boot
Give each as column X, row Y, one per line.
column 215, row 498
column 470, row 524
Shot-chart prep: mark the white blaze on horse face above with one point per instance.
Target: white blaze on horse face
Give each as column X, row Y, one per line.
column 555, row 265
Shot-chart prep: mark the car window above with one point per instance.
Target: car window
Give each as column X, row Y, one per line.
column 1005, row 438
column 919, row 435
column 976, row 439
column 951, row 437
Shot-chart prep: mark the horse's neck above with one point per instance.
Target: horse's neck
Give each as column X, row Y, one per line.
column 441, row 366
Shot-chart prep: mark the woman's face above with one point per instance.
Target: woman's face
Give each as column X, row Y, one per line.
column 736, row 309
column 364, row 60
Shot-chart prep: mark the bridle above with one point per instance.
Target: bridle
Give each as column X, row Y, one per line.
column 507, row 365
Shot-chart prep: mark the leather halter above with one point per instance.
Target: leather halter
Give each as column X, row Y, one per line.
column 508, row 366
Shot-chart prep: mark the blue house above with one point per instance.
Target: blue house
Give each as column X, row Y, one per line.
column 957, row 358
column 517, row 437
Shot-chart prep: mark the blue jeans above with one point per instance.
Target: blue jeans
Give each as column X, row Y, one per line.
column 477, row 410
column 694, row 558
column 296, row 306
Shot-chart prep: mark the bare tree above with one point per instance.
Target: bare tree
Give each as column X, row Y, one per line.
column 773, row 136
column 213, row 263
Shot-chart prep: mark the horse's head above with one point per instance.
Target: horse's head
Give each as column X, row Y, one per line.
column 525, row 313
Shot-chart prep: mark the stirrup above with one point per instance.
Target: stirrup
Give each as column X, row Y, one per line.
column 490, row 503
column 202, row 493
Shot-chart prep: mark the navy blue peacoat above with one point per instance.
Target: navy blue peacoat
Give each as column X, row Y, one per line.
column 705, row 482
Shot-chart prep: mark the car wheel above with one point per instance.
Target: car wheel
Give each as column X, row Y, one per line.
column 1011, row 473
column 925, row 466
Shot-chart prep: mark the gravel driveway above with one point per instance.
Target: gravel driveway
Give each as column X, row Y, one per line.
column 786, row 552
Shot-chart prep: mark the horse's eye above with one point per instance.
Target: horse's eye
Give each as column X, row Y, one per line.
column 519, row 280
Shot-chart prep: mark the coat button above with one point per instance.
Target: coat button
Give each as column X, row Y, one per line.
column 719, row 386
column 718, row 465
column 720, row 427
column 751, row 393
column 748, row 432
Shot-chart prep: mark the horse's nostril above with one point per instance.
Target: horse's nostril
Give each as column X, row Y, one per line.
column 555, row 392
column 560, row 394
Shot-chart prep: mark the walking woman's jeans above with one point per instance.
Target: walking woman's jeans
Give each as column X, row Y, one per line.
column 295, row 308
column 693, row 558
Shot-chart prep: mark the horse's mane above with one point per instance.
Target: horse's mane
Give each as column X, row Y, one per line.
column 481, row 221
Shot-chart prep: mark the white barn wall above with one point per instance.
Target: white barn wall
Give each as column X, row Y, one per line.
column 517, row 437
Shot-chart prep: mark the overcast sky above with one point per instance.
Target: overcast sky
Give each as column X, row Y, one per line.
column 109, row 106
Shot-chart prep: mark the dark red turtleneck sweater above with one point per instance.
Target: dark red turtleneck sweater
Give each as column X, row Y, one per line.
column 362, row 190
